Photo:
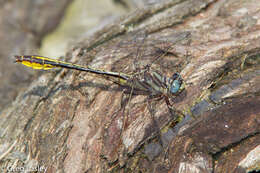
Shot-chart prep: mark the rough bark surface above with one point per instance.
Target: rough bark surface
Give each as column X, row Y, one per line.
column 23, row 24
column 70, row 121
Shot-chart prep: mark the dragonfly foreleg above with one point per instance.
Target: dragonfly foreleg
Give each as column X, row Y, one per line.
column 174, row 112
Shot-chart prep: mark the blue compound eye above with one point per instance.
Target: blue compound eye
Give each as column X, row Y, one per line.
column 176, row 84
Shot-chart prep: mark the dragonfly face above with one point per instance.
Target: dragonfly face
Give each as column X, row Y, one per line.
column 176, row 83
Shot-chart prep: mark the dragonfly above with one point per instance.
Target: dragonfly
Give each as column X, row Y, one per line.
column 146, row 81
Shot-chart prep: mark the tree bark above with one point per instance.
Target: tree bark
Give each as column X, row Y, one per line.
column 73, row 122
column 23, row 24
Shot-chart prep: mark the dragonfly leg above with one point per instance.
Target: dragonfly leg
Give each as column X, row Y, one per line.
column 152, row 113
column 124, row 100
column 173, row 111
column 125, row 105
column 176, row 118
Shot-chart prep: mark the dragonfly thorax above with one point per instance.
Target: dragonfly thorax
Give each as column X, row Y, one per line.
column 154, row 83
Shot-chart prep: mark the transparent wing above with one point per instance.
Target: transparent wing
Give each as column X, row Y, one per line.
column 155, row 50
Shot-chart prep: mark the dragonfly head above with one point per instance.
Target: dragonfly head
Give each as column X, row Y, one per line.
column 176, row 83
